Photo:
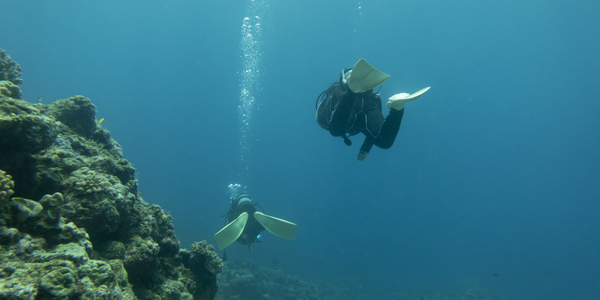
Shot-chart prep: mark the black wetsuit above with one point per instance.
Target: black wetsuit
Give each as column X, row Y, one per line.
column 252, row 228
column 354, row 113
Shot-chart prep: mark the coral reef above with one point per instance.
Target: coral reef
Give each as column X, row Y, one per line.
column 9, row 69
column 9, row 89
column 60, row 267
column 72, row 222
column 248, row 281
column 77, row 113
column 6, row 185
column 245, row 280
column 23, row 129
column 203, row 257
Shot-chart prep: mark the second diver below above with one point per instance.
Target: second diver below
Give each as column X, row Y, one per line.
column 246, row 224
column 349, row 106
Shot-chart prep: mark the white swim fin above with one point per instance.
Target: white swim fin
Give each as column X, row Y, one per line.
column 364, row 77
column 281, row 228
column 398, row 101
column 231, row 232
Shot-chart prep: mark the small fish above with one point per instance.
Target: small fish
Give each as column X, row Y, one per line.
column 55, row 176
column 43, row 168
column 55, row 158
column 39, row 100
column 69, row 209
column 100, row 122
column 496, row 275
column 17, row 198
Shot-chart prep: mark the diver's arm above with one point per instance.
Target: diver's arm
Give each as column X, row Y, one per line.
column 365, row 148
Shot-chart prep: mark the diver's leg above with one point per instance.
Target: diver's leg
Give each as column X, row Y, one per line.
column 388, row 128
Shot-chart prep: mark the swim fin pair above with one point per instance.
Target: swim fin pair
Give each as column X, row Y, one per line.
column 233, row 230
column 364, row 77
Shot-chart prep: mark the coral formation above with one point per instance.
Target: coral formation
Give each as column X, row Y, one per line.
column 34, row 267
column 72, row 222
column 6, row 185
column 201, row 258
column 23, row 129
column 77, row 113
column 245, row 280
column 9, row 69
column 9, row 89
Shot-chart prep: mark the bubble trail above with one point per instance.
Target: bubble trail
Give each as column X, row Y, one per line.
column 250, row 45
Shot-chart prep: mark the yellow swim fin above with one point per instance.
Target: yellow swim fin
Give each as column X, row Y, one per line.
column 231, row 232
column 398, row 101
column 364, row 77
column 281, row 228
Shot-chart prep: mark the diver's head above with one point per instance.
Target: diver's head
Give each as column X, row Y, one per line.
column 240, row 204
column 345, row 75
column 243, row 199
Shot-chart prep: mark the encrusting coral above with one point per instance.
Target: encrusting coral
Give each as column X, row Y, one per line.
column 6, row 185
column 72, row 222
column 10, row 89
column 77, row 113
column 9, row 69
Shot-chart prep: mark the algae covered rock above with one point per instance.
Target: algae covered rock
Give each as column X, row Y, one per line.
column 72, row 221
column 27, row 208
column 141, row 257
column 6, row 185
column 78, row 113
column 205, row 264
column 23, row 128
column 9, row 69
column 9, row 89
column 60, row 282
column 204, row 257
column 246, row 280
column 32, row 267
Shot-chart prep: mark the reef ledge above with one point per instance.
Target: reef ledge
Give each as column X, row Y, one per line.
column 73, row 224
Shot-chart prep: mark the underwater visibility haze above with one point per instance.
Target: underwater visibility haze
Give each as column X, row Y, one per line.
column 493, row 180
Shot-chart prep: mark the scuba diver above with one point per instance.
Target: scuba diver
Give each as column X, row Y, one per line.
column 246, row 223
column 349, row 106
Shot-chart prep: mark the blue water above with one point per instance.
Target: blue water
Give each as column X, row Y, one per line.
column 496, row 169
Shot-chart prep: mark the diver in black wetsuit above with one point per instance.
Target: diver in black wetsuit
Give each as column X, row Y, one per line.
column 245, row 223
column 251, row 233
column 347, row 108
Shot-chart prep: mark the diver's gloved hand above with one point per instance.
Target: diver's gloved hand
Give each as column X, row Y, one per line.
column 362, row 155
column 398, row 101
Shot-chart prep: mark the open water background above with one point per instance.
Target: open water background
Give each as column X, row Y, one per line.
column 496, row 169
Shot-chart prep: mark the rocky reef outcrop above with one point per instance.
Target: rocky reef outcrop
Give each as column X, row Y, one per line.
column 249, row 281
column 10, row 76
column 72, row 222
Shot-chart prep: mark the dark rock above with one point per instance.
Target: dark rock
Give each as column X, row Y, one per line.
column 78, row 113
